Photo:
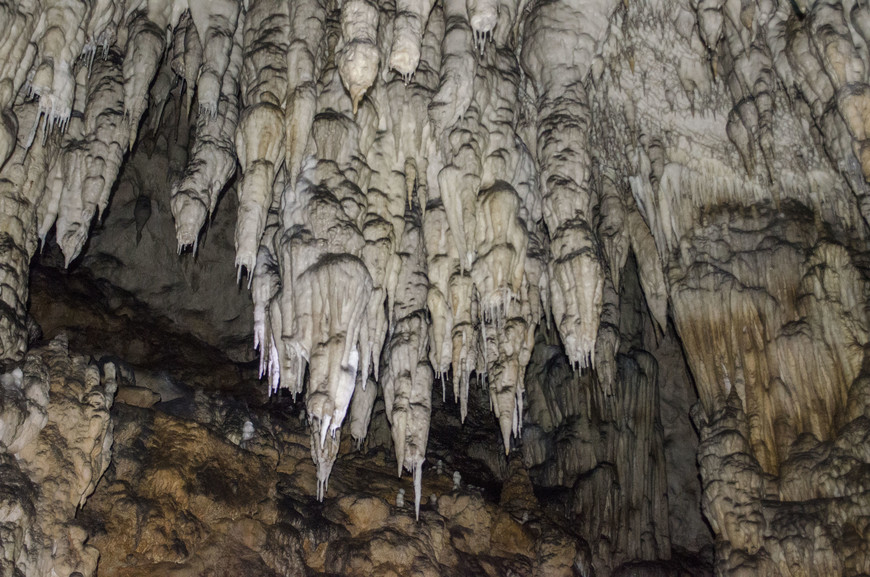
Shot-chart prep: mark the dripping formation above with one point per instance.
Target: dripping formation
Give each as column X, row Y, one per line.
column 426, row 187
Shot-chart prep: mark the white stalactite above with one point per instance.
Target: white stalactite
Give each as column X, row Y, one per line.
column 483, row 16
column 303, row 66
column 187, row 57
column 22, row 183
column 215, row 22
column 576, row 275
column 145, row 45
column 212, row 158
column 60, row 38
column 361, row 406
column 407, row 376
column 408, row 29
column 360, row 58
column 18, row 20
column 259, row 147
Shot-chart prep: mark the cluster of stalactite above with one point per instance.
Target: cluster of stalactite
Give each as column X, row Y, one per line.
column 344, row 123
column 421, row 184
column 600, row 435
column 761, row 244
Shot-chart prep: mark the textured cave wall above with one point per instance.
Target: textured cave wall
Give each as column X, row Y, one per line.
column 677, row 395
column 620, row 442
column 762, row 244
column 56, row 436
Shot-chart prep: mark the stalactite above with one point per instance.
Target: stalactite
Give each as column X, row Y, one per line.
column 407, row 375
column 216, row 22
column 60, row 39
column 321, row 245
column 187, row 56
column 303, row 65
column 361, row 406
column 212, row 161
column 408, row 29
column 576, row 276
column 22, row 183
column 145, row 46
column 359, row 59
column 17, row 53
column 421, row 183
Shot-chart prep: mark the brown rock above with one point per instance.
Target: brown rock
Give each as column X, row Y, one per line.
column 468, row 520
column 137, row 397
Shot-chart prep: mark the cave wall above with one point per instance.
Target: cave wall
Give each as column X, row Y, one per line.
column 763, row 248
column 621, row 442
column 136, row 241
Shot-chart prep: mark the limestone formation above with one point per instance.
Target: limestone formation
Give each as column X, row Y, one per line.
column 56, row 435
column 562, row 203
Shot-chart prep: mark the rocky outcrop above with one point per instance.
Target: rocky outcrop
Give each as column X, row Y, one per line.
column 56, row 438
column 213, row 484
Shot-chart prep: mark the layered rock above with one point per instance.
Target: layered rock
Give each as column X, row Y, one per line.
column 213, row 482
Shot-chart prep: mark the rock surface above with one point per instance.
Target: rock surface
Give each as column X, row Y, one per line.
column 187, row 494
column 56, row 438
column 564, row 211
